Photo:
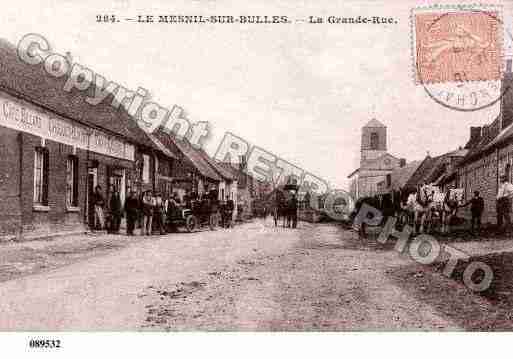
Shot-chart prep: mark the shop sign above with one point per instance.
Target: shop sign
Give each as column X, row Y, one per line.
column 21, row 117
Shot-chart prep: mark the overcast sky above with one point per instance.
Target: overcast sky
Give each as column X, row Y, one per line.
column 301, row 91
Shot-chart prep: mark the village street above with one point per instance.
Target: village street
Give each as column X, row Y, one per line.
column 251, row 277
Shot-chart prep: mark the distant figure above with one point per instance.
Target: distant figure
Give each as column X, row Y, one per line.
column 115, row 211
column 148, row 203
column 173, row 211
column 476, row 209
column 132, row 212
column 504, row 195
column 187, row 199
column 240, row 210
column 293, row 211
column 159, row 213
column 227, row 212
column 307, row 200
column 99, row 204
column 387, row 207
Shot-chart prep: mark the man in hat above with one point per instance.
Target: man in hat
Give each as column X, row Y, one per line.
column 159, row 213
column 132, row 212
column 476, row 209
column 115, row 210
column 504, row 195
column 99, row 204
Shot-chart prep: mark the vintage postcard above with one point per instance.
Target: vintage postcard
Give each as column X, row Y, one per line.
column 267, row 166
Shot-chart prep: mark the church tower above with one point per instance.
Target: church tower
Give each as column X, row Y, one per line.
column 374, row 142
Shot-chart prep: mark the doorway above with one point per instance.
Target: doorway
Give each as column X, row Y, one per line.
column 92, row 179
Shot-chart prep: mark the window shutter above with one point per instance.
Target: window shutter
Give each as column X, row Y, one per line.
column 46, row 172
column 75, row 181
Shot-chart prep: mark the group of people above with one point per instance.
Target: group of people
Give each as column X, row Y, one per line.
column 152, row 209
column 477, row 206
column 449, row 207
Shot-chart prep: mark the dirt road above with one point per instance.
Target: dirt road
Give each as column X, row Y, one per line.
column 253, row 277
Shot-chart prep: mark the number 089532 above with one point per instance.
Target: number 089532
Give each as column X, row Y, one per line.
column 45, row 343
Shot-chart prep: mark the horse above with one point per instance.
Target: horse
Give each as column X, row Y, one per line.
column 445, row 207
column 279, row 208
column 420, row 204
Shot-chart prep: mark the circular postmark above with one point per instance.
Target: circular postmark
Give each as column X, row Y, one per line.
column 459, row 57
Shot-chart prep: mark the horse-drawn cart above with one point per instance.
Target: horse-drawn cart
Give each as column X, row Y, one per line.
column 285, row 205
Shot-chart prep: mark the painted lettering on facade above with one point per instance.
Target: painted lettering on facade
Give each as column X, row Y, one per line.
column 21, row 117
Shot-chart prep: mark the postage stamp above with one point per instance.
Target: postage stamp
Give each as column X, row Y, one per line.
column 458, row 46
column 458, row 54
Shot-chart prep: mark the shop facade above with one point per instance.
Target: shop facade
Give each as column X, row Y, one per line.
column 50, row 167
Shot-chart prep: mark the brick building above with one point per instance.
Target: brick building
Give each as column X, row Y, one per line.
column 490, row 153
column 55, row 148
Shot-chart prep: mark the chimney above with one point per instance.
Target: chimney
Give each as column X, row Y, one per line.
column 475, row 134
column 402, row 162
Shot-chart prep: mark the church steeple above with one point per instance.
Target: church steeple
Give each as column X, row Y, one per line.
column 374, row 141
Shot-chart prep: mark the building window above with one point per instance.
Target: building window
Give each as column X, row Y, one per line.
column 146, row 169
column 389, row 180
column 41, row 162
column 72, row 181
column 374, row 140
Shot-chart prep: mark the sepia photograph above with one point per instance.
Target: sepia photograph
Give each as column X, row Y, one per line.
column 192, row 174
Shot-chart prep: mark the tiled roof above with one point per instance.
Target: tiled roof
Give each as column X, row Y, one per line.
column 479, row 148
column 234, row 171
column 218, row 167
column 166, row 151
column 34, row 84
column 246, row 178
column 401, row 175
column 424, row 172
column 460, row 152
column 192, row 154
column 503, row 136
column 432, row 168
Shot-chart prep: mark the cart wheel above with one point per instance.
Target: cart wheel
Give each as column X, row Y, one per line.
column 190, row 223
column 213, row 221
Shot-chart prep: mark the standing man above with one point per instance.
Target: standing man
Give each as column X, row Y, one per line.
column 148, row 203
column 504, row 195
column 187, row 199
column 115, row 211
column 159, row 212
column 476, row 209
column 132, row 211
column 293, row 210
column 99, row 204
